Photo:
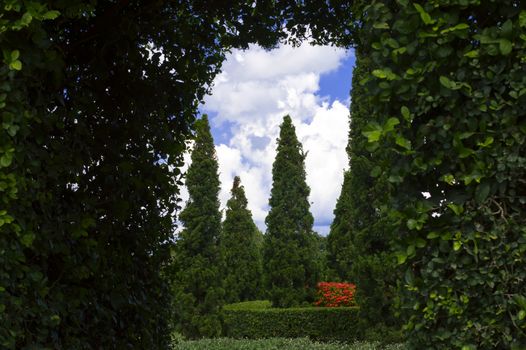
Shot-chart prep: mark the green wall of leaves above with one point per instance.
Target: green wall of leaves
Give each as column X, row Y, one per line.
column 448, row 98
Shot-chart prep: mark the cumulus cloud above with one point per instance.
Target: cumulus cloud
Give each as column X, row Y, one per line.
column 251, row 96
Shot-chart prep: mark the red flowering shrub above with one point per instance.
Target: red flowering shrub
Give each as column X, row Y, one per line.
column 334, row 294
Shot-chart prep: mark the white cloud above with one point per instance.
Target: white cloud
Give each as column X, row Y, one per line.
column 325, row 139
column 257, row 63
column 256, row 89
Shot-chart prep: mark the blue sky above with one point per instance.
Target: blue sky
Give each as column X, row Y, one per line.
column 248, row 101
column 337, row 84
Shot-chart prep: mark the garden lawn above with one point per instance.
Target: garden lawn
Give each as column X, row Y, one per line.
column 277, row 344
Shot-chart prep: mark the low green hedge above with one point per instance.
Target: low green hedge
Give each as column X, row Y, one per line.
column 318, row 323
column 249, row 305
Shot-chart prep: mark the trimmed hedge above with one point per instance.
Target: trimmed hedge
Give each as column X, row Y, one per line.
column 318, row 323
column 249, row 305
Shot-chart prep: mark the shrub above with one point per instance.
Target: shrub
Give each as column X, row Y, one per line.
column 335, row 294
column 326, row 324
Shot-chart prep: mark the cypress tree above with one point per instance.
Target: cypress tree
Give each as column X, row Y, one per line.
column 360, row 239
column 290, row 245
column 339, row 256
column 241, row 249
column 198, row 261
column 324, row 272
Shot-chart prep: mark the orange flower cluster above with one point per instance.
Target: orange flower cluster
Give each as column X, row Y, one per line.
column 334, row 294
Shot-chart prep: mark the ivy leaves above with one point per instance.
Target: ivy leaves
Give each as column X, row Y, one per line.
column 453, row 85
column 426, row 18
column 374, row 132
column 11, row 59
column 458, row 96
column 27, row 13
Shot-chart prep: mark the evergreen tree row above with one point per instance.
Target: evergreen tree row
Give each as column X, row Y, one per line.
column 216, row 263
column 224, row 263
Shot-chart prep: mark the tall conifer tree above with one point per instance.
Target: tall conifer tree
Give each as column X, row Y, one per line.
column 290, row 245
column 360, row 238
column 339, row 254
column 241, row 249
column 198, row 261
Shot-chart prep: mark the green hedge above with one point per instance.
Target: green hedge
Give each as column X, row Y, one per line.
column 326, row 324
column 249, row 305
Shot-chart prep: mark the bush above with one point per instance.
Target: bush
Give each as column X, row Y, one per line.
column 335, row 294
column 326, row 324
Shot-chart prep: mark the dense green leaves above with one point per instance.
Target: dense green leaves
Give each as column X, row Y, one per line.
column 241, row 249
column 88, row 206
column 281, row 344
column 458, row 201
column 198, row 262
column 97, row 100
column 290, row 251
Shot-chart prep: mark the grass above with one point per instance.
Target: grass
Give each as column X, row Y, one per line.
column 277, row 344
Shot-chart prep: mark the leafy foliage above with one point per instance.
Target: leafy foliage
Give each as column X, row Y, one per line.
column 86, row 205
column 241, row 249
column 447, row 95
column 198, row 262
column 325, row 273
column 249, row 305
column 290, row 254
